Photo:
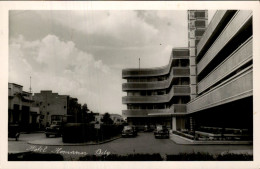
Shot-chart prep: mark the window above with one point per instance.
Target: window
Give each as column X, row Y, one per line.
column 200, row 24
column 199, row 32
column 200, row 14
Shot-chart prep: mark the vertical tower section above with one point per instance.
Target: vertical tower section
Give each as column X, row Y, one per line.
column 197, row 23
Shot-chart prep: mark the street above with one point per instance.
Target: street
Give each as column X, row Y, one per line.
column 143, row 143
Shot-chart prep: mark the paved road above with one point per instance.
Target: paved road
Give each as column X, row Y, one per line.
column 143, row 143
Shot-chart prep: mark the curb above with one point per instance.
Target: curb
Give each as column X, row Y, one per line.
column 74, row 144
column 194, row 142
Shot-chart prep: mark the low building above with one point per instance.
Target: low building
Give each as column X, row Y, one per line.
column 53, row 107
column 117, row 119
column 98, row 118
column 20, row 108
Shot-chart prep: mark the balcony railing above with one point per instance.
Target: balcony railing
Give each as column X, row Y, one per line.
column 175, row 91
column 181, row 72
column 238, row 58
column 236, row 23
column 147, row 72
column 235, row 88
column 146, row 85
column 210, row 29
column 175, row 108
column 176, row 72
column 176, row 54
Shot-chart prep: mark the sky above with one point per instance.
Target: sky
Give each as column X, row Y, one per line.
column 82, row 53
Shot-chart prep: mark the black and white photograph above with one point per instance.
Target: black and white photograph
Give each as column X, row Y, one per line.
column 147, row 85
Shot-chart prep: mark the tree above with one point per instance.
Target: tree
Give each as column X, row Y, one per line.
column 85, row 108
column 90, row 117
column 74, row 110
column 106, row 119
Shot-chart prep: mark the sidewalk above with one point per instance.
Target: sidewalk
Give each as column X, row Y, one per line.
column 57, row 141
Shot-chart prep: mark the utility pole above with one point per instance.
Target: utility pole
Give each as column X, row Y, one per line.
column 30, row 89
column 139, row 63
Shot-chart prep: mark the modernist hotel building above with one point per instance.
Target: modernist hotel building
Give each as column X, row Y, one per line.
column 209, row 83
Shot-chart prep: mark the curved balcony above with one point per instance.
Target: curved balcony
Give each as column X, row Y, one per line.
column 158, row 71
column 175, row 91
column 237, row 59
column 176, row 72
column 233, row 27
column 174, row 109
column 235, row 88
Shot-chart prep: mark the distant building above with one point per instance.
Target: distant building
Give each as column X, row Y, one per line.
column 98, row 118
column 20, row 108
column 53, row 107
column 118, row 119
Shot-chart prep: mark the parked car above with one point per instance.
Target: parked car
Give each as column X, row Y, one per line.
column 13, row 131
column 54, row 129
column 161, row 132
column 148, row 128
column 129, row 131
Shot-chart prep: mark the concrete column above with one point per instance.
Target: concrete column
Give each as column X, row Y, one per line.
column 174, row 124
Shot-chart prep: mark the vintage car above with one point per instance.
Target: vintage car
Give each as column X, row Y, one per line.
column 129, row 131
column 148, row 128
column 161, row 132
column 13, row 131
column 54, row 129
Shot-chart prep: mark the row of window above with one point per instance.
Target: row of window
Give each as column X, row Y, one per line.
column 148, row 79
column 184, row 64
column 147, row 93
column 179, row 100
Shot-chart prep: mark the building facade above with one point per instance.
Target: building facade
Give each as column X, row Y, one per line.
column 53, row 107
column 209, row 83
column 20, row 108
column 224, row 62
column 154, row 96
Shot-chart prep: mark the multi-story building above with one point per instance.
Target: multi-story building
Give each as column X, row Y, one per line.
column 155, row 95
column 53, row 107
column 207, row 84
column 20, row 108
column 224, row 72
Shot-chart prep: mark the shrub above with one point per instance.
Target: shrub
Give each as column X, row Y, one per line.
column 190, row 157
column 234, row 157
column 129, row 157
column 209, row 157
column 81, row 132
column 31, row 156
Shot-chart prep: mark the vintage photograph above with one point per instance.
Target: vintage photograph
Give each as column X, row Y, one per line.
column 130, row 85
